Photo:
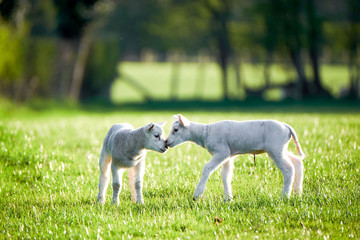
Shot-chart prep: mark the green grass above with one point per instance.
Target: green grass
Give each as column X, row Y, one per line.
column 203, row 81
column 49, row 175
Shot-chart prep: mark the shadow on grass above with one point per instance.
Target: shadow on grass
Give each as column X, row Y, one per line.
column 322, row 105
column 100, row 105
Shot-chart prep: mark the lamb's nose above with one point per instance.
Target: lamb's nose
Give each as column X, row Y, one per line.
column 166, row 142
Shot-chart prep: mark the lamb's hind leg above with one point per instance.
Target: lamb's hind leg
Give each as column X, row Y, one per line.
column 299, row 173
column 104, row 164
column 139, row 179
column 117, row 182
column 287, row 168
column 226, row 175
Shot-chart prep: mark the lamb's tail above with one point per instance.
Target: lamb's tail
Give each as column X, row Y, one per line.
column 296, row 140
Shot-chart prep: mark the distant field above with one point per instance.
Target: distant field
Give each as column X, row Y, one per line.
column 49, row 177
column 203, row 81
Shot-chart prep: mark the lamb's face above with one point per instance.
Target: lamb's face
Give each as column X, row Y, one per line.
column 155, row 137
column 178, row 134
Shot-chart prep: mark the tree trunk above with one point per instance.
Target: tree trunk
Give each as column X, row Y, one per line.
column 174, row 85
column 24, row 90
column 298, row 64
column 314, row 42
column 315, row 69
column 219, row 28
column 237, row 68
column 63, row 69
column 354, row 48
column 223, row 65
column 200, row 80
column 267, row 69
column 80, row 65
column 225, row 82
column 354, row 74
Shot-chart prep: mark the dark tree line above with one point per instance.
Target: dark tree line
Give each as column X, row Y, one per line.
column 70, row 48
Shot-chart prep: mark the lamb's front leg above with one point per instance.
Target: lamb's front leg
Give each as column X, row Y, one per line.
column 208, row 169
column 226, row 175
column 131, row 178
column 139, row 176
column 117, row 181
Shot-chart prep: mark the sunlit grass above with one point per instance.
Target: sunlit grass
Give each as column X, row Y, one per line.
column 49, row 176
column 203, row 81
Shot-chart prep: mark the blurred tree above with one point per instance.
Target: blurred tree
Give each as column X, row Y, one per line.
column 129, row 21
column 314, row 35
column 101, row 69
column 353, row 47
column 7, row 9
column 294, row 27
column 220, row 12
column 39, row 49
column 180, row 27
column 292, row 36
column 90, row 35
column 270, row 39
column 265, row 14
column 169, row 27
column 73, row 46
column 13, row 33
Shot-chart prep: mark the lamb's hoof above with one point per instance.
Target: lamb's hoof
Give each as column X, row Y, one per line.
column 298, row 194
column 228, row 199
column 285, row 197
column 195, row 198
column 100, row 201
column 197, row 194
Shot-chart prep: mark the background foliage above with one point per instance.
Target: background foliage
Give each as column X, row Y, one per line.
column 82, row 42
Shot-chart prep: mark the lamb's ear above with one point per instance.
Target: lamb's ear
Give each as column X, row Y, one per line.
column 162, row 124
column 183, row 120
column 149, row 127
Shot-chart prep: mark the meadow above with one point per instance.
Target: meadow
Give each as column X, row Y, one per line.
column 49, row 176
column 202, row 81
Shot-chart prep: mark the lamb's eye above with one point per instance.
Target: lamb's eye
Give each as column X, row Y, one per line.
column 175, row 130
column 157, row 136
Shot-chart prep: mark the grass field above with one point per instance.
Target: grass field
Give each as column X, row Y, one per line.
column 203, row 81
column 49, row 175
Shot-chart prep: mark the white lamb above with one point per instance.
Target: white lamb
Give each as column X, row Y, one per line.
column 226, row 139
column 125, row 148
